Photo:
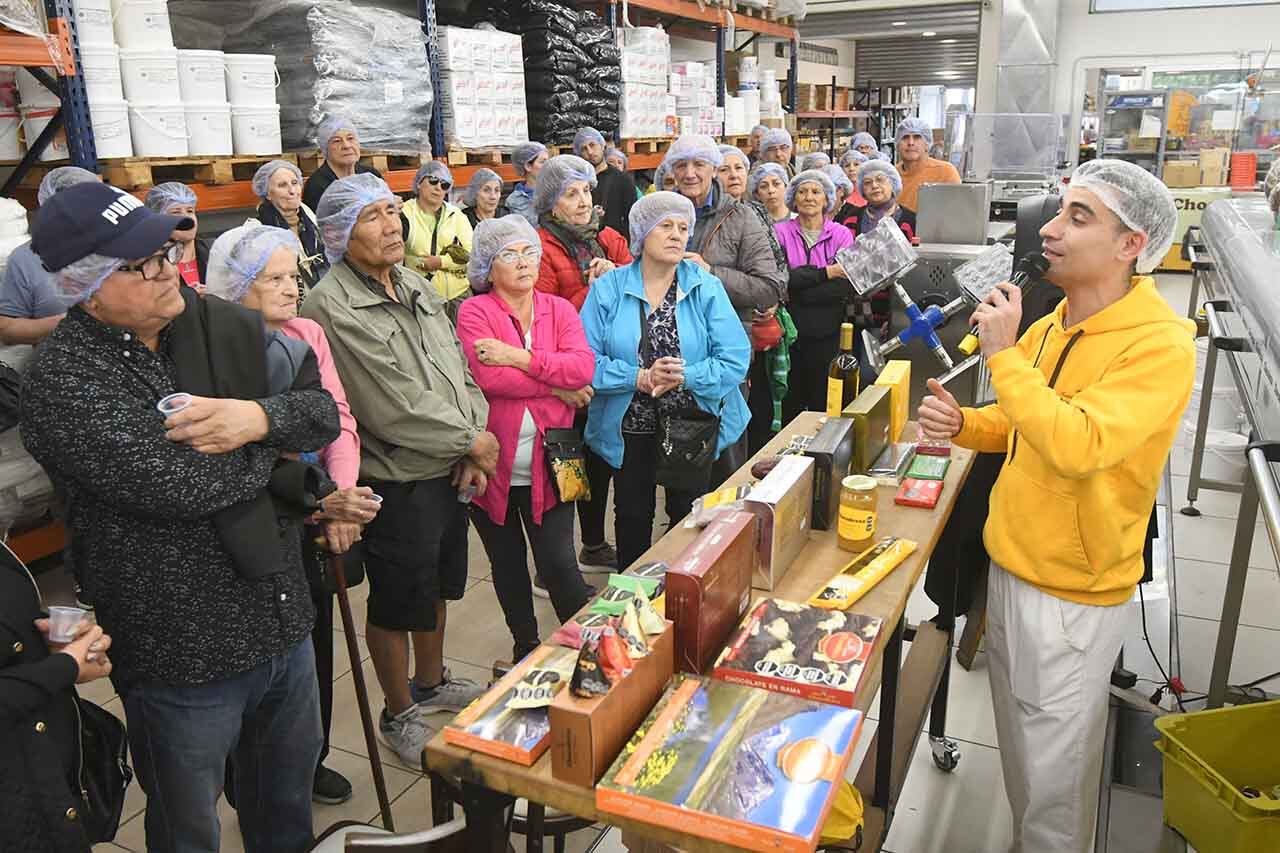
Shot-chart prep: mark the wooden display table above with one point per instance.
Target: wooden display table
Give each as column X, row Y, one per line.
column 906, row 689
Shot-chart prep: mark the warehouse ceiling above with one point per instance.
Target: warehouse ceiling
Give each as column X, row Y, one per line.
column 891, row 46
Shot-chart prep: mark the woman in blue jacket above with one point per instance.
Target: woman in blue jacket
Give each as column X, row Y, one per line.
column 695, row 354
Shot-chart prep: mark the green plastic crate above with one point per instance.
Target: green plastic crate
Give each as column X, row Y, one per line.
column 1208, row 757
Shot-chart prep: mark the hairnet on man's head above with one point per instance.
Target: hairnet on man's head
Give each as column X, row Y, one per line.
column 340, row 207
column 555, row 178
column 331, row 127
column 814, row 160
column 584, row 136
column 879, row 167
column 775, row 137
column 654, row 209
column 762, row 171
column 59, row 179
column 481, row 178
column 694, row 146
column 161, row 197
column 728, row 151
column 863, row 138
column 661, row 174
column 917, row 126
column 79, row 280
column 491, row 238
column 524, row 154
column 432, row 169
column 844, row 186
column 852, row 156
column 812, row 176
column 239, row 255
column 262, row 177
column 759, row 128
column 614, row 152
column 1140, row 200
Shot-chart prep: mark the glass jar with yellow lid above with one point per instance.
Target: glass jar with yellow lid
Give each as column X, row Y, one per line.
column 859, row 500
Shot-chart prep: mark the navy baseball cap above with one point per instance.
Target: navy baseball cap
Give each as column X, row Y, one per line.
column 98, row 219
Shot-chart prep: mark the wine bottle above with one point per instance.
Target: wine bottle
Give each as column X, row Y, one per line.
column 842, row 376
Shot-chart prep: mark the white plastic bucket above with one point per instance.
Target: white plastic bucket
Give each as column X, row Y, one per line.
column 34, row 120
column 1224, row 408
column 10, row 140
column 159, row 130
column 142, row 23
column 93, row 22
column 100, row 64
column 111, row 133
column 32, row 93
column 150, row 75
column 255, row 129
column 202, row 76
column 251, row 79
column 209, row 129
column 1224, row 456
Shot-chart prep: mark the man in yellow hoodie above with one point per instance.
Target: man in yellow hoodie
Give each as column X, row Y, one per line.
column 1087, row 404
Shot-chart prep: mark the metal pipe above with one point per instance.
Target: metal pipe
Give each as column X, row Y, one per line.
column 1268, row 496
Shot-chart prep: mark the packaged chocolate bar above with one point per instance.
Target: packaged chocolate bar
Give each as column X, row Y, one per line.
column 738, row 765
column 570, row 634
column 862, row 573
column 654, row 571
column 709, row 588
column 929, row 467
column 921, row 493
column 831, row 450
column 588, row 673
column 870, row 412
column 800, row 650
column 891, row 466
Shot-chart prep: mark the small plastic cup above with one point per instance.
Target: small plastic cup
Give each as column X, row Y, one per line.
column 173, row 403
column 377, row 498
column 465, row 495
column 63, row 622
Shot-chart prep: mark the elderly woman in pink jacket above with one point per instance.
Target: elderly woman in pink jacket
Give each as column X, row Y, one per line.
column 529, row 354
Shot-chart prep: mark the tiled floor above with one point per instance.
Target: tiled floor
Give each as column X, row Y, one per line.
column 963, row 811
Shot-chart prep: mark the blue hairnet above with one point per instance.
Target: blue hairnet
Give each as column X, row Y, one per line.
column 478, row 180
column 762, row 171
column 880, row 167
column 654, row 209
column 262, row 177
column 812, row 176
column 916, row 125
column 694, row 146
column 758, row 127
column 582, row 137
column 432, row 169
column 661, row 173
column 611, row 152
column 775, row 137
column 239, row 255
column 844, row 186
column 556, row 176
column 161, row 197
column 853, row 155
column 59, row 179
column 1141, row 201
column 491, row 238
column 727, row 151
column 880, row 155
column 524, row 154
column 340, row 207
column 814, row 160
column 863, row 138
column 78, row 281
column 330, row 128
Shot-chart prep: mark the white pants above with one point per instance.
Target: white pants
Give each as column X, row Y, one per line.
column 1050, row 665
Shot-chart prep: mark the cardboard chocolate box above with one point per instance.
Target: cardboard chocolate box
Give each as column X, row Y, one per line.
column 872, row 415
column 831, row 450
column 783, row 501
column 709, row 588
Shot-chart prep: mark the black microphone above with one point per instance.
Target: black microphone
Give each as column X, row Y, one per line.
column 1029, row 270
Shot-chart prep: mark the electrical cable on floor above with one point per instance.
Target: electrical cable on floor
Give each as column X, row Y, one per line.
column 1176, row 690
column 1261, row 680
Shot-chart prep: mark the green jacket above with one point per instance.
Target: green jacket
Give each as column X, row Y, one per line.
column 407, row 381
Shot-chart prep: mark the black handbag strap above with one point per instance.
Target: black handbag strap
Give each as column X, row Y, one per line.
column 644, row 332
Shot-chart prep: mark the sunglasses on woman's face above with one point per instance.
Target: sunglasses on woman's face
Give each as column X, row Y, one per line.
column 439, row 182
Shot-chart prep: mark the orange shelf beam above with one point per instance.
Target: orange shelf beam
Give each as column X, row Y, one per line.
column 714, row 15
column 32, row 52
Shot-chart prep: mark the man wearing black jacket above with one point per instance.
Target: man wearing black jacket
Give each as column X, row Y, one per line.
column 615, row 191
column 339, row 142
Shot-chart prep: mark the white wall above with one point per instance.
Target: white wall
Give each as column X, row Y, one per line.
column 812, row 72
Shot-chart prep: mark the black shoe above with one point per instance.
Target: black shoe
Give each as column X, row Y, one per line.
column 331, row 787
column 602, row 556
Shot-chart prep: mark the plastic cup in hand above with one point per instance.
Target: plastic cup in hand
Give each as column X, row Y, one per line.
column 376, row 498
column 63, row 622
column 173, row 403
column 465, row 495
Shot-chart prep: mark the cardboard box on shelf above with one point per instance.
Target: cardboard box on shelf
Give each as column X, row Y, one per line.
column 709, row 588
column 783, row 502
column 1182, row 173
column 1215, row 166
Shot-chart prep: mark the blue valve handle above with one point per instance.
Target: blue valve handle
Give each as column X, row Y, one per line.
column 922, row 325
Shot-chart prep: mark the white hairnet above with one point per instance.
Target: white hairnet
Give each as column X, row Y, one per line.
column 1138, row 197
column 262, row 177
column 694, row 146
column 432, row 169
column 161, row 197
column 661, row 173
column 491, row 238
column 59, row 179
column 814, row 160
column 340, row 207
column 331, row 127
column 812, row 176
column 762, row 171
column 654, row 209
column 775, row 137
column 844, row 186
column 916, row 125
column 853, row 155
column 863, row 138
column 78, row 281
column 614, row 152
column 879, row 167
column 556, row 176
column 582, row 137
column 727, row 151
column 524, row 154
column 759, row 128
column 236, row 258
column 478, row 180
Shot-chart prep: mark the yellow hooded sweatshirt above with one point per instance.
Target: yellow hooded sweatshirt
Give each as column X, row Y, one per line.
column 1086, row 416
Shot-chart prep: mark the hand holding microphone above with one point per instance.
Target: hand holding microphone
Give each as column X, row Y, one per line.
column 1002, row 300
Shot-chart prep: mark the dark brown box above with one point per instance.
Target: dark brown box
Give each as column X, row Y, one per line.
column 588, row 734
column 831, row 450
column 709, row 589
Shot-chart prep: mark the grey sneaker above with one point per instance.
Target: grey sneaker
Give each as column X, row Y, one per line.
column 407, row 733
column 540, row 588
column 449, row 696
column 602, row 556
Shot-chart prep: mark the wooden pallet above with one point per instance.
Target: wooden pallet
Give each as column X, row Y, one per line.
column 657, row 145
column 743, row 141
column 477, row 157
column 140, row 173
column 382, row 161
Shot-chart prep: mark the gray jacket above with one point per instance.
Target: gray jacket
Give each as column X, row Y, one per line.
column 738, row 246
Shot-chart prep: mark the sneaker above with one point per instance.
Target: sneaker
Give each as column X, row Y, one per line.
column 331, row 787
column 602, row 556
column 540, row 588
column 449, row 696
column 407, row 733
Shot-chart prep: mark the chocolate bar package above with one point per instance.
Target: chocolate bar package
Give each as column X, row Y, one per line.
column 897, row 376
column 709, row 588
column 921, row 493
column 929, row 468
column 783, row 502
column 871, row 413
column 741, row 766
column 800, row 650
column 891, row 466
column 831, row 450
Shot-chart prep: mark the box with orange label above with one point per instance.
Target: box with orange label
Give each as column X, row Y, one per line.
column 709, row 588
column 738, row 765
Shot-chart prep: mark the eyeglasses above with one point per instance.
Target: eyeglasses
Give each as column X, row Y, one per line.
column 151, row 267
column 511, row 256
column 439, row 182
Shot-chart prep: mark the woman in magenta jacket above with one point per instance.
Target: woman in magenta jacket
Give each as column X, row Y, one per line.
column 529, row 354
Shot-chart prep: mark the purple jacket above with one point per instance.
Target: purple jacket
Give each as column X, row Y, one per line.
column 816, row 302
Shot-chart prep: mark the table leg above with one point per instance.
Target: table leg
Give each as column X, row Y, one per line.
column 883, row 793
column 488, row 830
column 442, row 796
column 535, row 818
